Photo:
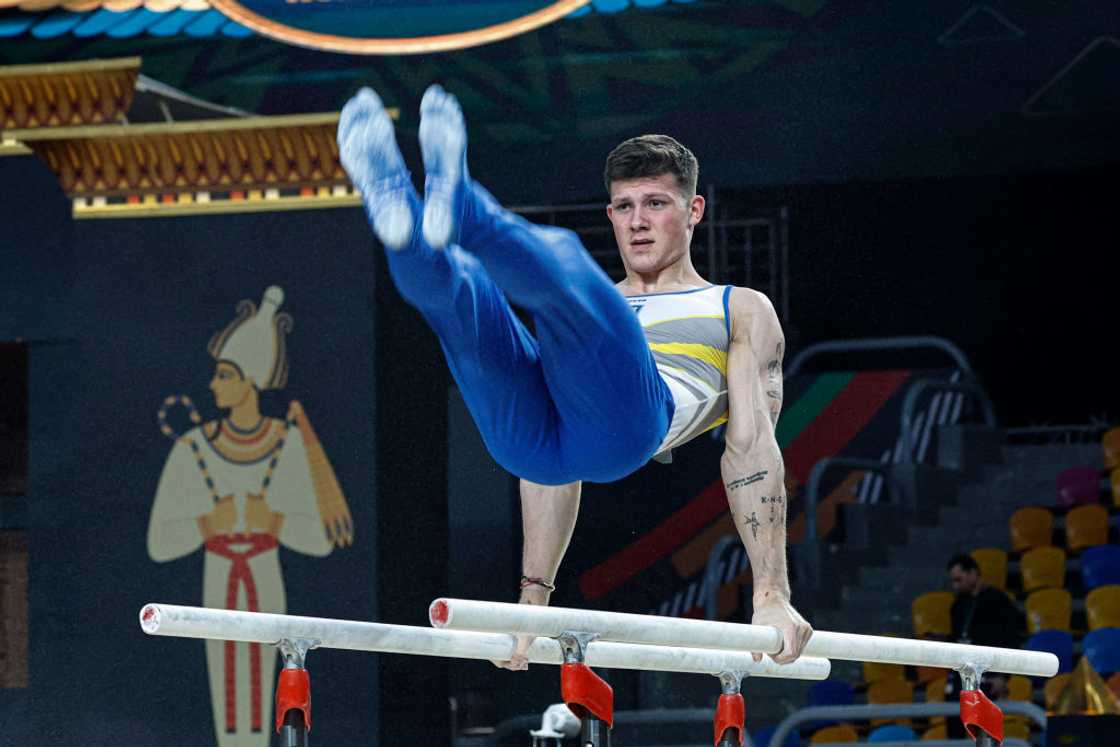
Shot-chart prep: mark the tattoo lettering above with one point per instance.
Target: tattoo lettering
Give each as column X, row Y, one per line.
column 742, row 482
column 753, row 522
column 777, row 507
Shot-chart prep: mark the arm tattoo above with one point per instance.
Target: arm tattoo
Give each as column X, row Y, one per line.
column 742, row 482
column 777, row 507
column 753, row 522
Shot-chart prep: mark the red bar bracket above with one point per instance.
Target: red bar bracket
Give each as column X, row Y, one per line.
column 586, row 693
column 977, row 712
column 731, row 713
column 293, row 691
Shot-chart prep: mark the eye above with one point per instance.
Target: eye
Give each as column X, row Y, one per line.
column 656, row 203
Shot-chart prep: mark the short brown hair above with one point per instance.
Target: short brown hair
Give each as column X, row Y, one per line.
column 652, row 155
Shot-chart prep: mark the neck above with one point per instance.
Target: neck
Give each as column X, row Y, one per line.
column 246, row 413
column 680, row 275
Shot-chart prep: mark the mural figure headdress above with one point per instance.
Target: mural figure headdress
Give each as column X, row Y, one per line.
column 255, row 341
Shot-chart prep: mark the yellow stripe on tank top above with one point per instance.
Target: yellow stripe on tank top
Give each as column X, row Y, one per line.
column 683, row 318
column 706, row 353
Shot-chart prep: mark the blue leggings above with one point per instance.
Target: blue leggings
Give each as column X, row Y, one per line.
column 583, row 400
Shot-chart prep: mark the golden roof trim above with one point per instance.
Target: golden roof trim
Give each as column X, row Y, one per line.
column 65, row 68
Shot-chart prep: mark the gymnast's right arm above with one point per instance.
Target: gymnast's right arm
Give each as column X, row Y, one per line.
column 548, row 516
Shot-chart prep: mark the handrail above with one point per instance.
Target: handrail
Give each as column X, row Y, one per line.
column 621, row 718
column 711, row 575
column 894, row 710
column 812, row 492
column 880, row 343
column 918, row 388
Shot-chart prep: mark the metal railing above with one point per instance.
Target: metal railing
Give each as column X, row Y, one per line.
column 813, row 490
column 898, row 710
column 877, row 344
column 920, row 387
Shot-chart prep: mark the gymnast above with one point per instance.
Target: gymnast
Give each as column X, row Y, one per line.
column 615, row 375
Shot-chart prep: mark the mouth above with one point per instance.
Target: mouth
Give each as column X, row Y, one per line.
column 641, row 242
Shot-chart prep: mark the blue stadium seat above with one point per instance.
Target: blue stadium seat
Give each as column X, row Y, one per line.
column 1057, row 642
column 1102, row 648
column 1100, row 565
column 831, row 692
column 761, row 738
column 892, row 733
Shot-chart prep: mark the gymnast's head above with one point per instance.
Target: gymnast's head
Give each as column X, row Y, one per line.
column 654, row 208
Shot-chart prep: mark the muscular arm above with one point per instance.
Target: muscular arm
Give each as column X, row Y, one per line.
column 548, row 516
column 752, row 468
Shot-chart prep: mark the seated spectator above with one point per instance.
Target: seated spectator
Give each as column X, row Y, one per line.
column 982, row 615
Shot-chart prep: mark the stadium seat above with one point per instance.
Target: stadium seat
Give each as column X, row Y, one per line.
column 1102, row 648
column 1110, row 446
column 929, row 674
column 892, row 733
column 761, row 738
column 929, row 614
column 1100, row 565
column 1086, row 526
column 839, row 733
column 1114, row 480
column 1053, row 688
column 831, row 692
column 1057, row 642
column 1102, row 607
column 1042, row 568
column 1017, row 728
column 1078, row 486
column 1020, row 688
column 938, row 732
column 1049, row 609
column 890, row 690
column 993, row 566
column 935, row 693
column 1030, row 527
column 874, row 672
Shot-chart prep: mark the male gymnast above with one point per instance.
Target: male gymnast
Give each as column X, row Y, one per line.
column 615, row 374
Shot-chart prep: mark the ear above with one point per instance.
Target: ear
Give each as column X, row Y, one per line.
column 695, row 210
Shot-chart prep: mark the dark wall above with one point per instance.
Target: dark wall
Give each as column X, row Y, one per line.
column 119, row 313
column 1011, row 268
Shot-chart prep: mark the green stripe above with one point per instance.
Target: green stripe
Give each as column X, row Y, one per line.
column 809, row 405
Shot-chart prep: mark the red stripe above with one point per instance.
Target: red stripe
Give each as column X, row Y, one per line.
column 841, row 420
column 844, row 417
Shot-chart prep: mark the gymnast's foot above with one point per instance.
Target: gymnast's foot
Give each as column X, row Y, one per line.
column 443, row 144
column 369, row 153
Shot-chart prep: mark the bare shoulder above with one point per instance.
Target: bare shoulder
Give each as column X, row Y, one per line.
column 753, row 317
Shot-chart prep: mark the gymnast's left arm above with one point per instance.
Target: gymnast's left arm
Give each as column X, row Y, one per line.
column 752, row 469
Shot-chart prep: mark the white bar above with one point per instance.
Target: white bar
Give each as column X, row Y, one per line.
column 466, row 614
column 260, row 627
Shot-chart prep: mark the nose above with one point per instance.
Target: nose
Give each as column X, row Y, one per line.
column 637, row 219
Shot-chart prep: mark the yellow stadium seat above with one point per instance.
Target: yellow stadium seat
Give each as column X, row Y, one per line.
column 1016, row 727
column 1114, row 683
column 929, row 614
column 890, row 690
column 929, row 674
column 1110, row 445
column 873, row 672
column 935, row 693
column 1030, row 527
column 1043, row 567
column 1102, row 607
column 1020, row 688
column 1049, row 609
column 1115, row 481
column 1086, row 526
column 1052, row 690
column 939, row 732
column 839, row 733
column 993, row 566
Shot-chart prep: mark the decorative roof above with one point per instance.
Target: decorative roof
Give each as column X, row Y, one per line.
column 66, row 94
column 264, row 163
column 119, row 19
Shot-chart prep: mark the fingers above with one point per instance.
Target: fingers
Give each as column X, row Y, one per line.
column 794, row 638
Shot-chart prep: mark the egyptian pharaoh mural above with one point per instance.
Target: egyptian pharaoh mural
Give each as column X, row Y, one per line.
column 237, row 488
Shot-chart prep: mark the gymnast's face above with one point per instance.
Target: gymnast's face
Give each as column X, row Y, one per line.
column 653, row 221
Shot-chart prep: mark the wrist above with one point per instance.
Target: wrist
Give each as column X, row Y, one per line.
column 770, row 595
